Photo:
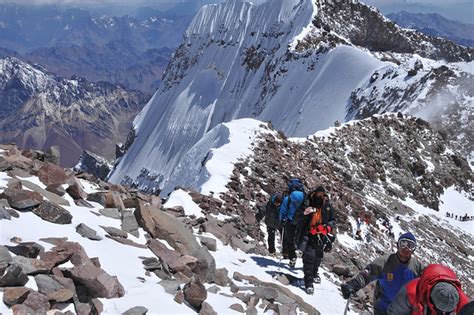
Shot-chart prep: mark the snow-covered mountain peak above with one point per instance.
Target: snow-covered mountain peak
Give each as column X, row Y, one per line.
column 296, row 64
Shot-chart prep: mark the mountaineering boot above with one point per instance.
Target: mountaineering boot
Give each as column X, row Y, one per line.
column 317, row 278
column 309, row 290
column 292, row 262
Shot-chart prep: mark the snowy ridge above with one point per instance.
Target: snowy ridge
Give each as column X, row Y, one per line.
column 384, row 168
column 217, row 152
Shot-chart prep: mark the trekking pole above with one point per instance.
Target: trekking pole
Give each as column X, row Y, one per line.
column 281, row 253
column 347, row 304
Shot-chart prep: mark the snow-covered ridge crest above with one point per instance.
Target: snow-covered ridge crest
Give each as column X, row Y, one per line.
column 208, row 165
column 234, row 14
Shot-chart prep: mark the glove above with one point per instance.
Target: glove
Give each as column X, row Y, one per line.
column 299, row 253
column 347, row 290
column 327, row 248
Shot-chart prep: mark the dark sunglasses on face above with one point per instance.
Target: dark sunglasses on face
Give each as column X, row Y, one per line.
column 408, row 244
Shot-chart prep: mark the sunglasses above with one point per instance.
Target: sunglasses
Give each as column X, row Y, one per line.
column 408, row 244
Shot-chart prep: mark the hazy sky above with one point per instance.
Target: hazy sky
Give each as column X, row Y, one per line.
column 462, row 10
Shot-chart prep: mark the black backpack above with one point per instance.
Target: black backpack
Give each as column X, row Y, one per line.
column 295, row 184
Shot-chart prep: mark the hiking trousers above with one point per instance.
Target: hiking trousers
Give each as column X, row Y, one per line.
column 271, row 238
column 312, row 257
column 289, row 240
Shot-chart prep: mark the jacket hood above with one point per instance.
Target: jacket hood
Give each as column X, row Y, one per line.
column 432, row 275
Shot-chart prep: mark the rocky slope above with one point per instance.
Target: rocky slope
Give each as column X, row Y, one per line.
column 366, row 27
column 389, row 168
column 382, row 168
column 442, row 95
column 64, row 273
column 40, row 109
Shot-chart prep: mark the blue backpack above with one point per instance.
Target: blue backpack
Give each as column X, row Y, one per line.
column 295, row 184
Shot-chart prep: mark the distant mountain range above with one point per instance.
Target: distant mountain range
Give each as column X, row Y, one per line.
column 436, row 25
column 39, row 109
column 129, row 51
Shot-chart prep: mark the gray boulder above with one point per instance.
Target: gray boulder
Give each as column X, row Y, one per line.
column 97, row 282
column 136, row 310
column 52, row 155
column 195, row 293
column 87, row 232
column 55, row 288
column 13, row 276
column 21, row 199
column 26, row 249
column 165, row 226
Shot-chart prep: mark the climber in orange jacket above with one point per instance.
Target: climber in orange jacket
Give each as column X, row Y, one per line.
column 437, row 291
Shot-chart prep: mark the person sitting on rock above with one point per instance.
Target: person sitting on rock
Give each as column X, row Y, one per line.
column 437, row 291
column 271, row 213
column 391, row 272
column 315, row 234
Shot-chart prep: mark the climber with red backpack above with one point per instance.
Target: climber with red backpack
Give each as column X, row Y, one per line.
column 289, row 208
column 438, row 291
column 315, row 234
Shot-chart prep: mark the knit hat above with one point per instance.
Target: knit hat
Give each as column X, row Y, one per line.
column 445, row 296
column 407, row 236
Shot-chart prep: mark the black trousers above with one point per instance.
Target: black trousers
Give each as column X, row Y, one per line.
column 312, row 257
column 271, row 238
column 289, row 240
